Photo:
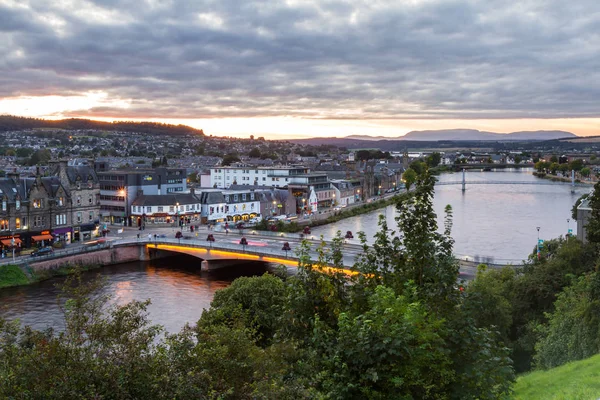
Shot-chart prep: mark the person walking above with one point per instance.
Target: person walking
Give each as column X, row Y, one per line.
column 150, row 237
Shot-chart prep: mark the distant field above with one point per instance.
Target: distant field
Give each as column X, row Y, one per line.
column 589, row 139
column 579, row 380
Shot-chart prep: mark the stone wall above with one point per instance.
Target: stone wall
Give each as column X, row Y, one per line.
column 115, row 255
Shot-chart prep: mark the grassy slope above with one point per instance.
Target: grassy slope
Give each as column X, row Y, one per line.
column 578, row 380
column 12, row 275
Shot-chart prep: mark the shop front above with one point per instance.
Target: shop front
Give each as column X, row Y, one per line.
column 41, row 239
column 87, row 231
column 63, row 235
column 10, row 243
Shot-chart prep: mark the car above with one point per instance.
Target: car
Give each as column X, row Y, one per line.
column 42, row 252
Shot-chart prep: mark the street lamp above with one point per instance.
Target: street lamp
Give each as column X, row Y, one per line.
column 123, row 192
column 333, row 200
column 177, row 213
column 274, row 208
column 538, row 242
column 568, row 227
column 379, row 193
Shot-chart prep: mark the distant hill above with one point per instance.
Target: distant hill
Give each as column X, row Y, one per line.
column 12, row 123
column 470, row 135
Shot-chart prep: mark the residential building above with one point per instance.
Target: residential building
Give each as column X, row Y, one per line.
column 118, row 190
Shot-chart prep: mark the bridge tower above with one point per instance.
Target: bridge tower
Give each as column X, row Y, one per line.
column 464, row 183
column 572, row 181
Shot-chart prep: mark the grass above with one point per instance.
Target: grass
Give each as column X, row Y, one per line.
column 579, row 380
column 12, row 275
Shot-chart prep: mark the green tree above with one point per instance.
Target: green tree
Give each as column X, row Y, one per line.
column 554, row 159
column 229, row 158
column 553, row 168
column 585, row 172
column 573, row 328
column 518, row 159
column 576, row 165
column 254, row 153
column 409, row 177
column 434, row 159
column 40, row 157
column 24, row 152
column 418, row 166
column 593, row 225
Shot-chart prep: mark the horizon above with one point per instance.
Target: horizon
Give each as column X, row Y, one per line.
column 298, row 70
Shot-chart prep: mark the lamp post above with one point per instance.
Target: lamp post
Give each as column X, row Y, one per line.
column 123, row 192
column 274, row 205
column 177, row 213
column 333, row 202
column 303, row 205
column 358, row 193
column 379, row 192
column 12, row 244
column 538, row 242
column 568, row 227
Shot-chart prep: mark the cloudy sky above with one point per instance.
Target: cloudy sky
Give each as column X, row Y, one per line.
column 306, row 68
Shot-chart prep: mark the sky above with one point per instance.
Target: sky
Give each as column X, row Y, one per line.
column 306, row 68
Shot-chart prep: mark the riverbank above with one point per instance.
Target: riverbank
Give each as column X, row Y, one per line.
column 19, row 275
column 555, row 178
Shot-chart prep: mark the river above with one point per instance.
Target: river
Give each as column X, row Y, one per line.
column 493, row 223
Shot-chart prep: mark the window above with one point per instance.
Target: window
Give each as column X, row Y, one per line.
column 235, row 197
column 160, row 208
column 148, row 209
column 4, row 205
column 37, row 203
column 18, row 204
column 90, row 199
column 61, row 201
column 91, row 216
column 79, row 217
column 78, row 185
column 4, row 226
column 38, row 221
column 78, row 200
column 227, row 199
column 17, row 223
column 61, row 219
column 172, row 209
column 244, row 196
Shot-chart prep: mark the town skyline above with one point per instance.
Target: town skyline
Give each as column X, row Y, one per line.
column 291, row 69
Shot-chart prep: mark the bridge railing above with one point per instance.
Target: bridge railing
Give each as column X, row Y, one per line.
column 60, row 253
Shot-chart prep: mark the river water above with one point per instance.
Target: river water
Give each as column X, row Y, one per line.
column 493, row 223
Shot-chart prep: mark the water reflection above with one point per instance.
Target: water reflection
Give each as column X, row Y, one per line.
column 178, row 291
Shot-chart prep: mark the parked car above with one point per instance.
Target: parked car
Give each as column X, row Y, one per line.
column 42, row 252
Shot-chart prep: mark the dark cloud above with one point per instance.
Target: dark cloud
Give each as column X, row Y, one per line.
column 320, row 59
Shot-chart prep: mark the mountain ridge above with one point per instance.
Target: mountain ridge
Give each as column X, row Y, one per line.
column 470, row 135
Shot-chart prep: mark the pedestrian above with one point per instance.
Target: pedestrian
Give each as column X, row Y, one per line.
column 150, row 237
column 138, row 236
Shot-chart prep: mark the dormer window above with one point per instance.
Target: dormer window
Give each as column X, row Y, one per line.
column 4, row 204
column 61, row 201
column 78, row 200
column 18, row 204
column 37, row 203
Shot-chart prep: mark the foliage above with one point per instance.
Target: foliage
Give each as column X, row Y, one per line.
column 577, row 203
column 593, row 225
column 254, row 153
column 573, row 330
column 229, row 158
column 255, row 303
column 12, row 123
column 409, row 177
column 434, row 159
column 572, row 381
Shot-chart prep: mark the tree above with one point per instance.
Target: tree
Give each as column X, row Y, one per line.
column 193, row 177
column 518, row 159
column 409, row 177
column 576, row 165
column 554, row 159
column 553, row 168
column 254, row 153
column 40, row 157
column 585, row 172
column 593, row 225
column 573, row 328
column 24, row 152
column 229, row 158
column 434, row 159
column 418, row 166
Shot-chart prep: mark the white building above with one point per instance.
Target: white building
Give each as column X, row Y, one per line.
column 223, row 177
